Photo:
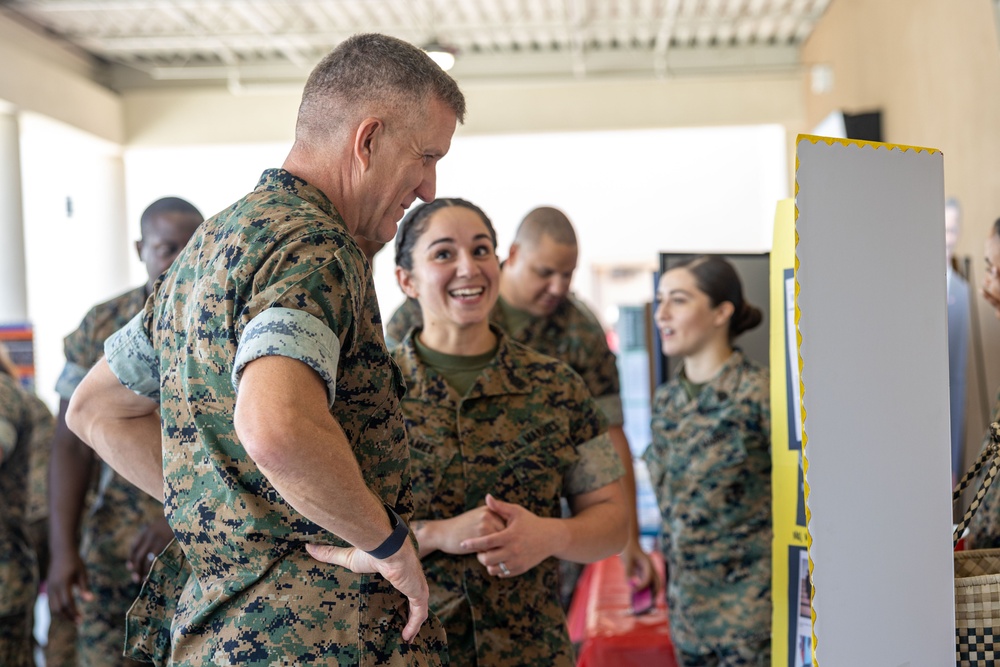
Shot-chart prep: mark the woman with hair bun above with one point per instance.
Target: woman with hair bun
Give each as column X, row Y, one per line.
column 710, row 465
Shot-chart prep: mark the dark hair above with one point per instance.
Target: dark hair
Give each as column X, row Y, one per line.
column 717, row 278
column 167, row 205
column 372, row 70
column 414, row 225
column 996, row 227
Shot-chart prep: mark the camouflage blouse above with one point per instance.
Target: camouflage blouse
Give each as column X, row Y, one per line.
column 710, row 466
column 277, row 273
column 527, row 432
column 571, row 334
column 17, row 559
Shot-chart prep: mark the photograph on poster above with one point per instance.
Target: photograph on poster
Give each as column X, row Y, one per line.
column 799, row 594
column 792, row 365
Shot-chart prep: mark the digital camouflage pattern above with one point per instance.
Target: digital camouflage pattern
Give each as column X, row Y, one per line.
column 710, row 466
column 984, row 530
column 119, row 510
column 43, row 426
column 276, row 273
column 530, row 433
column 17, row 559
column 60, row 649
column 571, row 334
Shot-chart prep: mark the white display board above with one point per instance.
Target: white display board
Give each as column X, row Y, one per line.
column 874, row 355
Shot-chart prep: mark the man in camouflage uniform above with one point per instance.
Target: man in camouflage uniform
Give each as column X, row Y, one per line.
column 537, row 309
column 17, row 560
column 710, row 464
column 262, row 380
column 95, row 585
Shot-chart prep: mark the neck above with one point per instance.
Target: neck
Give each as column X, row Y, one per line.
column 447, row 338
column 324, row 176
column 507, row 291
column 705, row 364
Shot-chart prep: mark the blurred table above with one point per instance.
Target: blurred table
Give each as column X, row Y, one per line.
column 602, row 623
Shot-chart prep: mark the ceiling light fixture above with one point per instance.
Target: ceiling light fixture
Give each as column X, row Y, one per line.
column 443, row 55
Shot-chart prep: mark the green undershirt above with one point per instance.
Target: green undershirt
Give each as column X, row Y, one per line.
column 690, row 388
column 515, row 319
column 459, row 371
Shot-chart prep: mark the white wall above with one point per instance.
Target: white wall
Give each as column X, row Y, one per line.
column 73, row 261
column 630, row 193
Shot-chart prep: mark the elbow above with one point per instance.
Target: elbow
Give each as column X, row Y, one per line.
column 262, row 434
column 79, row 415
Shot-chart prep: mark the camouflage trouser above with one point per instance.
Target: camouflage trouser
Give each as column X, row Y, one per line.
column 60, row 645
column 101, row 633
column 15, row 641
column 745, row 654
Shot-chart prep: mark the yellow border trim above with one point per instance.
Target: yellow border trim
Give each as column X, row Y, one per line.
column 815, row 138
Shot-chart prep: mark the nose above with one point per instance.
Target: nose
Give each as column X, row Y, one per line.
column 559, row 286
column 660, row 313
column 466, row 265
column 428, row 186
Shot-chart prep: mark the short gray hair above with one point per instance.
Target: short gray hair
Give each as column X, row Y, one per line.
column 372, row 72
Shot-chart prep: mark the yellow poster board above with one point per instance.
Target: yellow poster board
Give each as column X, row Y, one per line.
column 791, row 628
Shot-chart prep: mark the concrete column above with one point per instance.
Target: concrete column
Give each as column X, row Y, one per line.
column 13, row 282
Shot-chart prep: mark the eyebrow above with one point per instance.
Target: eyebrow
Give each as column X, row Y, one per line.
column 679, row 291
column 448, row 239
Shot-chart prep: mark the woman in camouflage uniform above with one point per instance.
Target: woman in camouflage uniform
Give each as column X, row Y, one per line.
column 497, row 434
column 710, row 465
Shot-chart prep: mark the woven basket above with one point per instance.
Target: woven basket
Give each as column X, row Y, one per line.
column 977, row 580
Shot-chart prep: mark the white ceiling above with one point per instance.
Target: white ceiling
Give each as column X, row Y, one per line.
column 157, row 42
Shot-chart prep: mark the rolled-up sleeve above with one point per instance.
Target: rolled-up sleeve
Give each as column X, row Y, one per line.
column 70, row 378
column 132, row 359
column 598, row 465
column 294, row 334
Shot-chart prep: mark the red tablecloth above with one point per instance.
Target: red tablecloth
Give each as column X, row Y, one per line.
column 601, row 621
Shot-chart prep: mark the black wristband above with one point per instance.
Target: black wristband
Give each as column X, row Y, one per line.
column 400, row 531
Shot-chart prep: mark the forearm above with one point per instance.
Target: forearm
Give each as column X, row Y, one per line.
column 321, row 479
column 620, row 442
column 593, row 533
column 71, row 469
column 283, row 420
column 133, row 447
column 122, row 427
column 426, row 533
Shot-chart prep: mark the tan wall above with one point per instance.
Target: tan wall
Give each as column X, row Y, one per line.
column 196, row 116
column 933, row 68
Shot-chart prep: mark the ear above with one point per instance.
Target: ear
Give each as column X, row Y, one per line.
column 138, row 249
column 723, row 313
column 512, row 253
column 407, row 283
column 366, row 139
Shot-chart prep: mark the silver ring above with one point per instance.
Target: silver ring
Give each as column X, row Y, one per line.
column 503, row 569
column 150, row 557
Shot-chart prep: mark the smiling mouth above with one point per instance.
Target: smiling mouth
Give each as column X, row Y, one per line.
column 467, row 292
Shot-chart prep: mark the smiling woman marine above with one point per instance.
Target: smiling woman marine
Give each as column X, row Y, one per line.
column 497, row 434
